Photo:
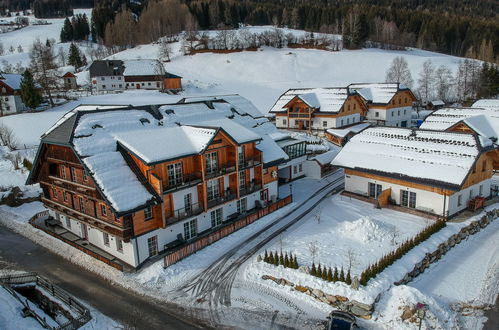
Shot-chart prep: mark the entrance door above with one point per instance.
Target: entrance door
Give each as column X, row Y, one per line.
column 264, row 195
column 84, row 231
column 137, row 86
column 301, row 124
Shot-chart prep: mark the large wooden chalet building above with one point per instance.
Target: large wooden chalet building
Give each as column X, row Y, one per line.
column 132, row 181
column 385, row 104
column 430, row 171
column 10, row 94
column 318, row 108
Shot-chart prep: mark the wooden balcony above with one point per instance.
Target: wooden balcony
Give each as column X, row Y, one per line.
column 220, row 170
column 249, row 162
column 251, row 188
column 221, row 198
column 184, row 213
column 124, row 232
column 187, row 180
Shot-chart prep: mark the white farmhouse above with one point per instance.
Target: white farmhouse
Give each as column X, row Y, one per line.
column 10, row 94
column 430, row 171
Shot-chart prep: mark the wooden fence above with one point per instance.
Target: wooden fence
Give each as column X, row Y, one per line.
column 211, row 237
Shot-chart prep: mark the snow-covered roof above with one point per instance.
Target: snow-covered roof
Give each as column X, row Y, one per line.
column 418, row 155
column 323, row 99
column 483, row 121
column 342, row 132
column 326, row 157
column 492, row 104
column 437, row 102
column 380, row 93
column 143, row 67
column 13, row 80
column 154, row 134
column 242, row 105
column 182, row 141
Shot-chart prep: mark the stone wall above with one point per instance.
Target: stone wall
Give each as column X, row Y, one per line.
column 342, row 303
column 471, row 229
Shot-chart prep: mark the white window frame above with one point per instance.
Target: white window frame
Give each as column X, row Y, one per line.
column 148, row 213
column 152, row 246
column 119, row 245
column 105, row 239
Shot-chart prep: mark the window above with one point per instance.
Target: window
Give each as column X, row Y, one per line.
column 459, row 200
column 65, row 196
column 148, row 84
column 374, row 190
column 54, row 193
column 63, row 171
column 119, row 245
column 355, row 106
column 398, row 112
column 284, row 122
column 348, row 107
column 295, row 169
column 119, row 78
column 82, row 204
column 216, row 217
column 190, row 229
column 405, row 110
column 213, row 189
column 324, row 123
column 120, row 85
column 240, row 155
column 175, row 176
column 300, row 167
column 408, row 198
column 242, row 179
column 211, row 162
column 103, row 210
column 241, row 206
column 105, row 238
column 148, row 213
column 471, row 193
column 152, row 245
column 142, row 84
column 157, row 84
column 341, row 122
column 85, row 176
column 480, row 190
column 73, row 174
column 103, row 86
column 348, row 121
column 405, row 100
column 68, row 222
column 376, row 114
column 188, row 203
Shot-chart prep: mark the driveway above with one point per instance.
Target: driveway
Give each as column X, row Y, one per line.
column 112, row 300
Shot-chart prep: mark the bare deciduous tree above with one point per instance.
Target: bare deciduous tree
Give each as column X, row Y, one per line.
column 399, row 72
column 426, row 81
column 164, row 50
column 7, row 137
column 352, row 258
column 313, row 248
column 443, row 82
column 43, row 67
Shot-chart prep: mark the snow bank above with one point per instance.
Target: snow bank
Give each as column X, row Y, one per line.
column 365, row 230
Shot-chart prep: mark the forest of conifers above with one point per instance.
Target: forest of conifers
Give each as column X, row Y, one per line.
column 457, row 27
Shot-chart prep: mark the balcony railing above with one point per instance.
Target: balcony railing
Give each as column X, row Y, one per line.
column 299, row 115
column 124, row 232
column 249, row 162
column 251, row 188
column 185, row 181
column 185, row 212
column 220, row 199
column 220, row 170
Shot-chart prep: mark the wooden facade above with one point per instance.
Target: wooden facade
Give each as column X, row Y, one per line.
column 172, row 83
column 297, row 110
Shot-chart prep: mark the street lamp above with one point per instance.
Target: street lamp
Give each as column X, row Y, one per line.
column 421, row 309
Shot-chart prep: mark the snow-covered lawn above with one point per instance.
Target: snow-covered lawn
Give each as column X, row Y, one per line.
column 341, row 224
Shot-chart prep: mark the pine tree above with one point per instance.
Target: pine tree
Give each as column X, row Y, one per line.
column 295, row 263
column 271, row 258
column 266, row 256
column 276, row 259
column 313, row 271
column 281, row 259
column 319, row 271
column 74, row 57
column 29, row 94
column 329, row 275
column 67, row 31
column 349, row 278
column 342, row 275
column 286, row 260
column 335, row 275
column 324, row 273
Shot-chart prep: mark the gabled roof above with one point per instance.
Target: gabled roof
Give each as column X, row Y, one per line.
column 100, row 134
column 69, row 75
column 100, row 68
column 143, row 67
column 442, row 159
column 492, row 104
column 484, row 122
column 378, row 93
column 323, row 99
column 342, row 132
column 13, row 80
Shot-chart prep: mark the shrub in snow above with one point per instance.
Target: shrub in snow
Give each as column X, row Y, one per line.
column 27, row 164
column 276, row 259
column 313, row 271
column 335, row 276
column 342, row 275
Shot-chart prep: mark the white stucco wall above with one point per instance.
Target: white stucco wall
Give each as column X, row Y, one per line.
column 111, row 83
column 312, row 169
